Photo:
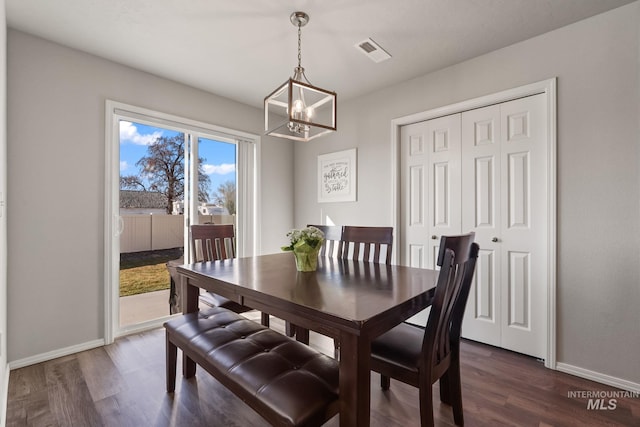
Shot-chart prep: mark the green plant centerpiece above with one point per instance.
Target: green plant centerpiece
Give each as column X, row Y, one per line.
column 305, row 245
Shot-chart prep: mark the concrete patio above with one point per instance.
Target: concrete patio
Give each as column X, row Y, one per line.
column 142, row 307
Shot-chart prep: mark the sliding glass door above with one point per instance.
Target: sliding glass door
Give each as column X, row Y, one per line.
column 171, row 173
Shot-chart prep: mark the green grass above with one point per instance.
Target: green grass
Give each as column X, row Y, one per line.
column 142, row 272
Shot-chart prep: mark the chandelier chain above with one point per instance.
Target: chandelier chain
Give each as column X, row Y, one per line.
column 299, row 44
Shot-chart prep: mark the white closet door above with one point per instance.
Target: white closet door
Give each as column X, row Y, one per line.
column 430, row 191
column 414, row 223
column 430, row 153
column 481, row 212
column 444, row 167
column 504, row 201
column 524, row 230
column 484, row 170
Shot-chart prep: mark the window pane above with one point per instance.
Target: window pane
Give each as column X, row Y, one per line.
column 152, row 232
column 217, row 181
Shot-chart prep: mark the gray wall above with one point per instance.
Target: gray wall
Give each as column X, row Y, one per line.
column 3, row 210
column 56, row 103
column 596, row 63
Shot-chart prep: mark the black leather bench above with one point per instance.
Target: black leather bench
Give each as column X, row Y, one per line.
column 286, row 382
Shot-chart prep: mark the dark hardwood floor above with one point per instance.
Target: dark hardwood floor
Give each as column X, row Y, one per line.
column 123, row 385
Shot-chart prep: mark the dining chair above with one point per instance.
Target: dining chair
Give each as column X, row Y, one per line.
column 369, row 244
column 421, row 356
column 372, row 244
column 332, row 237
column 214, row 242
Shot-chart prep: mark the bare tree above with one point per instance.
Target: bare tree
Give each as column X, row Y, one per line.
column 225, row 196
column 162, row 170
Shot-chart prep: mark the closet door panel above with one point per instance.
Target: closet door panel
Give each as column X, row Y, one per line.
column 444, row 171
column 414, row 193
column 430, row 193
column 524, row 229
column 481, row 213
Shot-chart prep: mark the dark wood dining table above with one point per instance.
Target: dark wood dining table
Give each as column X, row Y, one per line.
column 351, row 301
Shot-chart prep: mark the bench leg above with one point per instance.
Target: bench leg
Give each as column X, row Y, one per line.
column 188, row 366
column 172, row 356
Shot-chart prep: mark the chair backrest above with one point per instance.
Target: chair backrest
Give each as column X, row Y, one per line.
column 359, row 242
column 460, row 245
column 211, row 242
column 442, row 334
column 332, row 236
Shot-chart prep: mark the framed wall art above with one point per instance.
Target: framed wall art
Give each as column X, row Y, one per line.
column 337, row 175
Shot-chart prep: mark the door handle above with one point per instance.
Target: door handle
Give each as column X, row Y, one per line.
column 119, row 228
column 494, row 240
column 434, row 237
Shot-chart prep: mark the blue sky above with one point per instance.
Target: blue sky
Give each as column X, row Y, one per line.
column 220, row 157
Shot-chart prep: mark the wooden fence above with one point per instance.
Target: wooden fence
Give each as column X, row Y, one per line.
column 156, row 232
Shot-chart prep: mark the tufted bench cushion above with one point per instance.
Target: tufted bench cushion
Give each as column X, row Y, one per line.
column 286, row 382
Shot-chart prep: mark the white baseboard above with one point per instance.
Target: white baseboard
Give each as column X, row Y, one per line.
column 44, row 357
column 598, row 377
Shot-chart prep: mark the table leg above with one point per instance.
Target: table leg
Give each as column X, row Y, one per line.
column 355, row 377
column 190, row 297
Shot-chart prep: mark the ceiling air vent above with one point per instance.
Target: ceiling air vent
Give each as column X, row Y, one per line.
column 372, row 50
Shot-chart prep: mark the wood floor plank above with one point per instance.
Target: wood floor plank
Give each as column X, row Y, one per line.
column 16, row 411
column 71, row 404
column 31, row 410
column 209, row 400
column 100, row 373
column 27, row 380
column 123, row 385
column 61, row 371
column 124, row 354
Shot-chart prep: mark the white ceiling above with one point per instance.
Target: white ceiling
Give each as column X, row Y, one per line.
column 243, row 49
